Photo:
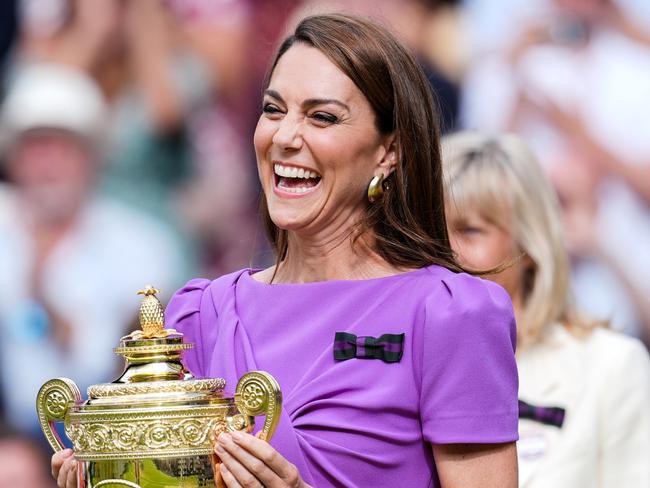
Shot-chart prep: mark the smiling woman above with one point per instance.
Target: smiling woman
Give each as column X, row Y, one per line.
column 315, row 120
column 351, row 81
column 396, row 368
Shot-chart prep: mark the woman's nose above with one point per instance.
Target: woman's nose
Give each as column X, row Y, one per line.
column 288, row 135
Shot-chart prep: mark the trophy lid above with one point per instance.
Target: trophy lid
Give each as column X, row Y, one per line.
column 153, row 367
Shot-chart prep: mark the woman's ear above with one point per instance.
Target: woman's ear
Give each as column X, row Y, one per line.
column 390, row 157
column 528, row 263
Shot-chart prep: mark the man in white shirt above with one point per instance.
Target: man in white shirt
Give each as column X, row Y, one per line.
column 70, row 260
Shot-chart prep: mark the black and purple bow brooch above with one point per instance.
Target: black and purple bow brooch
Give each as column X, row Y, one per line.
column 545, row 415
column 387, row 347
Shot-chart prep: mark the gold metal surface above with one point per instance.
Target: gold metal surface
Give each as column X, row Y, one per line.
column 151, row 349
column 259, row 394
column 152, row 316
column 196, row 472
column 52, row 403
column 178, row 386
column 113, row 483
column 150, row 433
column 156, row 425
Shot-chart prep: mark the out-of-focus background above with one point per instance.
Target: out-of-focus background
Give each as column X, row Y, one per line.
column 126, row 156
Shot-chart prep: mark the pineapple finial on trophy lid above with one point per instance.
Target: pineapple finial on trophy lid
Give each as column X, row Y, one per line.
column 152, row 314
column 152, row 317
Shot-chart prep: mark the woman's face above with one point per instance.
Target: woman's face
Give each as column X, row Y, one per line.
column 481, row 244
column 317, row 145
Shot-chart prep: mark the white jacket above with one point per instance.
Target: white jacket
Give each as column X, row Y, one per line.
column 603, row 382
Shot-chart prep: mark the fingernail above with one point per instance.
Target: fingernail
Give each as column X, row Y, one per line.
column 220, row 449
column 223, row 468
column 237, row 435
column 224, row 438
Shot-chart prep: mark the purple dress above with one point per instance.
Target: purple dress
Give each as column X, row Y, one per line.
column 363, row 422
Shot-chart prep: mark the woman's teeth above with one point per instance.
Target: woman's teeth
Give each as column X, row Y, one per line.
column 295, row 180
column 296, row 189
column 293, row 172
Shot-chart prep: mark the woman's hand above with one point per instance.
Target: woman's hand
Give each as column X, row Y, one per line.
column 249, row 462
column 64, row 469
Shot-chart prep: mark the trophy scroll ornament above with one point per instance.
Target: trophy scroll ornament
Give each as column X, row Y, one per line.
column 155, row 425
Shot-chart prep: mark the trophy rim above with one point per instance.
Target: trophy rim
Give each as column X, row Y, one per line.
column 112, row 390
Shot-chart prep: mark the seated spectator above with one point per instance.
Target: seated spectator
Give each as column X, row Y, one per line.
column 584, row 390
column 176, row 78
column 71, row 260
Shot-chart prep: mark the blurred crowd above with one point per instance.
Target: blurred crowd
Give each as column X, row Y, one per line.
column 126, row 154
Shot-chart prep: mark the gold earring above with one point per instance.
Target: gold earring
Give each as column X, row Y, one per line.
column 376, row 188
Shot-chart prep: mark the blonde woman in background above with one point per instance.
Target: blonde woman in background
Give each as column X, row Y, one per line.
column 584, row 390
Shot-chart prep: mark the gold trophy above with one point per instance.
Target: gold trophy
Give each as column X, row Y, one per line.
column 155, row 426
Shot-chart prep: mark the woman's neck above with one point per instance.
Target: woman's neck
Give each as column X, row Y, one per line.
column 334, row 257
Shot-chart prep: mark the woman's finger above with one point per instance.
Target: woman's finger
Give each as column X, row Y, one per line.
column 72, row 475
column 62, row 475
column 263, row 451
column 250, row 463
column 58, row 458
column 67, row 471
column 228, row 477
column 231, row 461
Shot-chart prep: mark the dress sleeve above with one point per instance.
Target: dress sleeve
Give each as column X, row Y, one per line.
column 183, row 314
column 469, row 374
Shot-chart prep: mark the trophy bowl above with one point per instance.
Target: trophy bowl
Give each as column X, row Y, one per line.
column 156, row 425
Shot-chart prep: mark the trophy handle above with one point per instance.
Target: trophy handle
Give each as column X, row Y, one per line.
column 258, row 393
column 52, row 404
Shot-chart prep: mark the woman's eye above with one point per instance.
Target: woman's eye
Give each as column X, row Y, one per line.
column 325, row 117
column 269, row 108
column 468, row 229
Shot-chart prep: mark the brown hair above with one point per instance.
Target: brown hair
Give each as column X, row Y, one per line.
column 409, row 220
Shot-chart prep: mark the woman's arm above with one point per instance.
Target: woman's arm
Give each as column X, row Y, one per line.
column 476, row 465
